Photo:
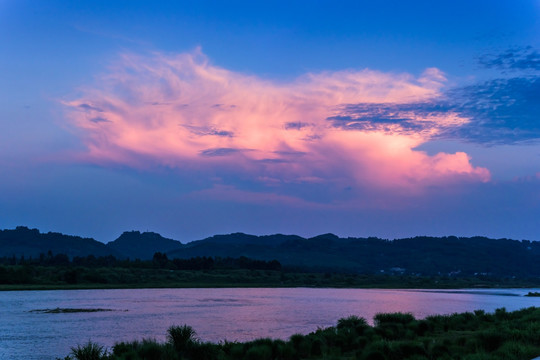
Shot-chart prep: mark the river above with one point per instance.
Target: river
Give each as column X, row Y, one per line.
column 215, row 314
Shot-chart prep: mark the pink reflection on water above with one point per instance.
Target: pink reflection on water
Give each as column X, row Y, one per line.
column 216, row 314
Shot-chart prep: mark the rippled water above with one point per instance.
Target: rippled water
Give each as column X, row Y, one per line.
column 216, row 314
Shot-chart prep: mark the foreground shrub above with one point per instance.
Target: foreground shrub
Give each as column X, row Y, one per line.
column 89, row 351
column 513, row 350
column 150, row 350
column 395, row 326
column 181, row 337
column 376, row 350
column 491, row 340
column 203, row 351
column 393, row 318
column 406, row 349
column 353, row 323
column 259, row 352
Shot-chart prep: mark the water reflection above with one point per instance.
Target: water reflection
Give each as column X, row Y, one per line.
column 216, row 314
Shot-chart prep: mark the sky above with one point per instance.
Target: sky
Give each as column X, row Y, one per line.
column 360, row 118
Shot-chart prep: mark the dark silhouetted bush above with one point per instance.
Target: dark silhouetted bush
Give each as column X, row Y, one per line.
column 181, row 338
column 89, row 351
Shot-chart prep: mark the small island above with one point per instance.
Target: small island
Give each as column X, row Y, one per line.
column 68, row 310
column 533, row 294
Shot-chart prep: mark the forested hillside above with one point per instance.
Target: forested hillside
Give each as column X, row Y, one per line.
column 449, row 256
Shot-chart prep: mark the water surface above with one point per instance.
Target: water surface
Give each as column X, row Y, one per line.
column 216, row 314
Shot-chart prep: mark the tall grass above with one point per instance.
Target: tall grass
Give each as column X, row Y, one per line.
column 89, row 351
column 181, row 337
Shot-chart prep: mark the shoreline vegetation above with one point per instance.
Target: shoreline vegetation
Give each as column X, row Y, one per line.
column 359, row 282
column 58, row 272
column 394, row 336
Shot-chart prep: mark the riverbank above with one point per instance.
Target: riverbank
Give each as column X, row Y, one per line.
column 67, row 278
column 476, row 335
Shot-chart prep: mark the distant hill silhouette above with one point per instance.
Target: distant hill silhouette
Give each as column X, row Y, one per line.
column 23, row 241
column 454, row 256
column 137, row 245
column 235, row 245
column 420, row 255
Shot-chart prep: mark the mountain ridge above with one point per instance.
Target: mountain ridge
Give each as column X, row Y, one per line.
column 137, row 245
column 421, row 255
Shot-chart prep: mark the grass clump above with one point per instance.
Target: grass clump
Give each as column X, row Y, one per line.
column 89, row 351
column 182, row 338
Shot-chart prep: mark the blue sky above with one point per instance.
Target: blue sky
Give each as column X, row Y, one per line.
column 386, row 118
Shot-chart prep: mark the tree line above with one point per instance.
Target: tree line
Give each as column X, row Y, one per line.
column 159, row 261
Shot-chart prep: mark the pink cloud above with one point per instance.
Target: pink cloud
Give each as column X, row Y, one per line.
column 183, row 112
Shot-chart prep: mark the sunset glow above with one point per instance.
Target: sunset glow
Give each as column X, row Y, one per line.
column 191, row 119
column 182, row 112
